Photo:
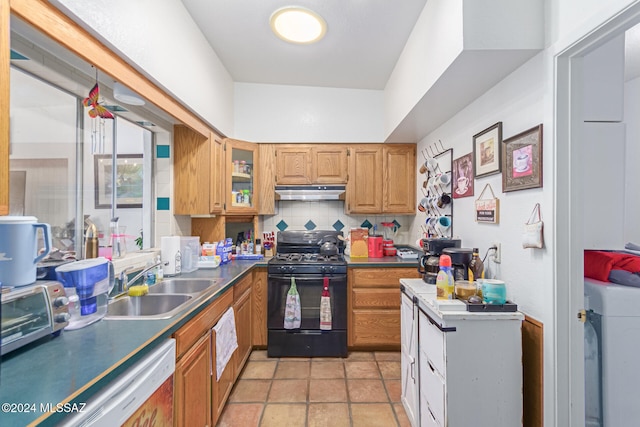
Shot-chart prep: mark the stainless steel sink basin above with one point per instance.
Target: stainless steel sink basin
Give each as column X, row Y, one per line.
column 182, row 286
column 158, row 306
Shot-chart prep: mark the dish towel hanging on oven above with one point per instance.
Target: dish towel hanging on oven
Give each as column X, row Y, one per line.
column 226, row 340
column 325, row 306
column 292, row 309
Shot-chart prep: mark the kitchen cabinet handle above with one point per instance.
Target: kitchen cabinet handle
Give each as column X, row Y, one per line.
column 413, row 363
column 437, row 325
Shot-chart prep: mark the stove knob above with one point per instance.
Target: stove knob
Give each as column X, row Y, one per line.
column 60, row 302
column 292, row 269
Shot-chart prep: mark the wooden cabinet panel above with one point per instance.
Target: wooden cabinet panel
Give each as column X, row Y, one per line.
column 364, row 189
column 216, row 174
column 293, row 165
column 259, row 309
column 266, row 179
column 379, row 328
column 200, row 324
column 192, row 393
column 381, row 277
column 222, row 386
column 329, row 164
column 236, row 150
column 399, row 183
column 191, row 164
column 242, row 314
column 374, row 306
column 242, row 286
column 376, row 298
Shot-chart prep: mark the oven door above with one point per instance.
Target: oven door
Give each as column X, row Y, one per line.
column 310, row 290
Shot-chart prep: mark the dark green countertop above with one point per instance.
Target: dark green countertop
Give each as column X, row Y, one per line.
column 77, row 364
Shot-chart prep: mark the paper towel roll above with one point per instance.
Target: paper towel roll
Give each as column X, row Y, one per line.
column 170, row 250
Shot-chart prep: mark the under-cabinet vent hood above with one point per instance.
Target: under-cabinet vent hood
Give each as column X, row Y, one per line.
column 310, row 192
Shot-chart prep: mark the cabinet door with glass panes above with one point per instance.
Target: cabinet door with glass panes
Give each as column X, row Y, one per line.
column 242, row 190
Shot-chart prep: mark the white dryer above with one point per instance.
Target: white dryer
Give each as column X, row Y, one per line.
column 612, row 351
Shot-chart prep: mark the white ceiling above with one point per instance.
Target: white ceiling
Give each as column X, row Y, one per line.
column 363, row 42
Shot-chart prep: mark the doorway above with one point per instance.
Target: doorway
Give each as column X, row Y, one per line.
column 571, row 190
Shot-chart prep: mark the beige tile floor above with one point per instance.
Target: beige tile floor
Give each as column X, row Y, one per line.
column 360, row 390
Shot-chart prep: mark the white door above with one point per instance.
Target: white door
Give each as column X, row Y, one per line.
column 409, row 348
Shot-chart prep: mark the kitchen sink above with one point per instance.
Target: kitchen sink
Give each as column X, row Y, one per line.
column 156, row 306
column 182, row 286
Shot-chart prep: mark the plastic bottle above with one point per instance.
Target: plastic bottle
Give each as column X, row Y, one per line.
column 159, row 270
column 444, row 280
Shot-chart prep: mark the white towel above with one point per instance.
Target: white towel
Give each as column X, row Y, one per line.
column 226, row 340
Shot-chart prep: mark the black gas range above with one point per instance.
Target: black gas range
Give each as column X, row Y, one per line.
column 299, row 256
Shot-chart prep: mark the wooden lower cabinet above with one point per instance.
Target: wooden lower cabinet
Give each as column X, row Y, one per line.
column 259, row 308
column 192, row 391
column 221, row 388
column 242, row 313
column 199, row 396
column 374, row 306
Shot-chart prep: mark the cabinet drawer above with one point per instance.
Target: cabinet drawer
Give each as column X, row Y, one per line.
column 380, row 277
column 201, row 323
column 433, row 387
column 432, row 343
column 376, row 327
column 375, row 298
column 241, row 286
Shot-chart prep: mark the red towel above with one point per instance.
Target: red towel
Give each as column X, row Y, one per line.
column 598, row 264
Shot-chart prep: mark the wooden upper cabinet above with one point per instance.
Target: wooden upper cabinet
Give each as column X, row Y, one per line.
column 4, row 107
column 399, row 182
column 329, row 165
column 242, row 191
column 266, row 179
column 364, row 189
column 216, row 174
column 191, row 169
column 293, row 165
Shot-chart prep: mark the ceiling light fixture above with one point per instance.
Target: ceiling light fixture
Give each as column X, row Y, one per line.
column 126, row 95
column 298, row 25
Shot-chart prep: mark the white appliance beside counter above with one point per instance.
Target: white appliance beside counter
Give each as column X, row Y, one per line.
column 459, row 368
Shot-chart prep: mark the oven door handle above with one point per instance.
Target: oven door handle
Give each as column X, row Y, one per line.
column 306, row 277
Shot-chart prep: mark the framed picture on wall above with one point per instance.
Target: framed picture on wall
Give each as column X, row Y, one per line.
column 462, row 184
column 129, row 178
column 522, row 160
column 486, row 151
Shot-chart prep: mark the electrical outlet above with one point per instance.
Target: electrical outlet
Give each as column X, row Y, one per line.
column 497, row 253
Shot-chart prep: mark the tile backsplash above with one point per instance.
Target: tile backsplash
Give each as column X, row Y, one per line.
column 328, row 215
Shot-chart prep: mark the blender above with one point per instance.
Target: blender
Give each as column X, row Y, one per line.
column 87, row 284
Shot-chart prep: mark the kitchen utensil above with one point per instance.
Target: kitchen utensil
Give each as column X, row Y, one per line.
column 460, row 259
column 428, row 265
column 19, row 249
column 87, row 284
column 328, row 246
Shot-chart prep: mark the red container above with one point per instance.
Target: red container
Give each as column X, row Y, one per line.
column 390, row 251
column 375, row 247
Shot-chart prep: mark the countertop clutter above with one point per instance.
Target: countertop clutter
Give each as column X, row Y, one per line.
column 77, row 364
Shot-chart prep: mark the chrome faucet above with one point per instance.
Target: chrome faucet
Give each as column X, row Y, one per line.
column 125, row 282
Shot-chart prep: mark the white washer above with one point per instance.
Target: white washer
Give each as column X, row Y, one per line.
column 612, row 337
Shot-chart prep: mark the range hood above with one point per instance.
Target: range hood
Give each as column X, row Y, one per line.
column 310, row 192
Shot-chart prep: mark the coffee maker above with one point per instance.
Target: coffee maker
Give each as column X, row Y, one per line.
column 429, row 263
column 460, row 259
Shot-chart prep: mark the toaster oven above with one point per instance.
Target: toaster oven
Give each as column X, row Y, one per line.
column 32, row 312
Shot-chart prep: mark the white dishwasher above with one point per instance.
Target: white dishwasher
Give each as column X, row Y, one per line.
column 142, row 395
